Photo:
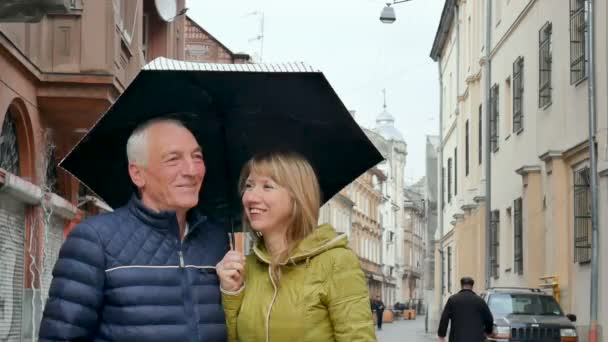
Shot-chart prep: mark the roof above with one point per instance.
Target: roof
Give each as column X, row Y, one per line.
column 447, row 17
column 385, row 126
column 240, row 55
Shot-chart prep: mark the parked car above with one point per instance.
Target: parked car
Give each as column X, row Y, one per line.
column 528, row 315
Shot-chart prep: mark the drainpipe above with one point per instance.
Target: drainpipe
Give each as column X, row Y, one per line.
column 590, row 47
column 440, row 185
column 457, row 22
column 488, row 154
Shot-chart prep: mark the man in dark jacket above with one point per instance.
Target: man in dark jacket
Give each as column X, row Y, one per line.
column 470, row 317
column 144, row 272
column 378, row 307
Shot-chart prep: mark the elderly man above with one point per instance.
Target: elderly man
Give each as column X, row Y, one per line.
column 144, row 272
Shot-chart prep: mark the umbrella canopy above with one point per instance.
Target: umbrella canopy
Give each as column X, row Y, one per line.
column 237, row 110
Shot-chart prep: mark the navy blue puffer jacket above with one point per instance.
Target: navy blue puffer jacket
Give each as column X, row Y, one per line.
column 126, row 276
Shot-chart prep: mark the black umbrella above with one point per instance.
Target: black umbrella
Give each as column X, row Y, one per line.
column 237, row 111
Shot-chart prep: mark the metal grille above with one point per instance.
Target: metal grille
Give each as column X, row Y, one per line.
column 442, row 272
column 545, row 59
column 442, row 187
column 455, row 171
column 449, row 180
column 495, row 235
column 9, row 149
column 12, row 247
column 518, row 94
column 536, row 334
column 449, row 269
column 480, row 134
column 582, row 216
column 518, row 237
column 578, row 56
column 494, row 118
column 466, row 149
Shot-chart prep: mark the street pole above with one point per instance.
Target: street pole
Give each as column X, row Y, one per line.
column 590, row 47
column 488, row 152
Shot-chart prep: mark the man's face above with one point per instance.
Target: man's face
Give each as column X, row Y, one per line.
column 172, row 178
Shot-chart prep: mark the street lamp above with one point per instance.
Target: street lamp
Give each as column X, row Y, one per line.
column 387, row 15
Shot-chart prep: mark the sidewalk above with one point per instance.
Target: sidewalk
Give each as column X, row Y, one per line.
column 404, row 331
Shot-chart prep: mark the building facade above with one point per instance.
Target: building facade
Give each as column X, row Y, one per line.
column 414, row 243
column 366, row 231
column 540, row 224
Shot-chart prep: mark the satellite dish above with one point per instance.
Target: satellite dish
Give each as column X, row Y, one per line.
column 167, row 9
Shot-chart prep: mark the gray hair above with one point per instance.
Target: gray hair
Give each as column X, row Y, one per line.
column 137, row 145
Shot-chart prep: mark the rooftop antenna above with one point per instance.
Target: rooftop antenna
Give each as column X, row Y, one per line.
column 260, row 36
column 384, row 93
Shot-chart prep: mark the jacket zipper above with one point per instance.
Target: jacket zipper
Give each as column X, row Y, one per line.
column 182, row 264
column 189, row 305
column 274, row 297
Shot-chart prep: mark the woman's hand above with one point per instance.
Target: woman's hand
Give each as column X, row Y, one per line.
column 231, row 271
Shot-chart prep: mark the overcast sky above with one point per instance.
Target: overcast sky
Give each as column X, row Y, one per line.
column 358, row 54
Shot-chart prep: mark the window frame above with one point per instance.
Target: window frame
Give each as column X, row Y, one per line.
column 578, row 48
column 545, row 65
column 518, row 95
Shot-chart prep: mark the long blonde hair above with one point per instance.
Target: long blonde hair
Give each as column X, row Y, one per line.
column 294, row 173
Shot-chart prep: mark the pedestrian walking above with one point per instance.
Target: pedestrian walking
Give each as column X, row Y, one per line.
column 468, row 315
column 378, row 307
column 302, row 282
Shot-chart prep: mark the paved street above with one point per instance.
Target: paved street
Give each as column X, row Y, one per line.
column 404, row 331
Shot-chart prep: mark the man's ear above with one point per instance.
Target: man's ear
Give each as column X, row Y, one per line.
column 137, row 176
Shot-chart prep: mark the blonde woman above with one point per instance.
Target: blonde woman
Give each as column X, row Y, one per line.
column 303, row 283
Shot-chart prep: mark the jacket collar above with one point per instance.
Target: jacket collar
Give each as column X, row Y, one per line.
column 466, row 290
column 320, row 240
column 164, row 220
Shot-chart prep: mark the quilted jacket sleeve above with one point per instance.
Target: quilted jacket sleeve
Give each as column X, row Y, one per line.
column 76, row 292
column 348, row 300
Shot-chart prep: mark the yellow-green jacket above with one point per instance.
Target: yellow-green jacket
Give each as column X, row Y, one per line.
column 322, row 295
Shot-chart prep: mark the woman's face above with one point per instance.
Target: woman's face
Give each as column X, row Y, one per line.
column 268, row 206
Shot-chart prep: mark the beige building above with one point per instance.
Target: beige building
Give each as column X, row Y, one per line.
column 414, row 243
column 460, row 234
column 338, row 212
column 391, row 144
column 541, row 193
column 366, row 231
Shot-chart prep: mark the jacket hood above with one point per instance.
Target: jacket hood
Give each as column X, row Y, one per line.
column 320, row 240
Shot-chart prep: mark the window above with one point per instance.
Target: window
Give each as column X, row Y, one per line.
column 455, row 171
column 544, row 65
column 145, row 36
column 518, row 95
column 125, row 13
column 495, row 236
column 449, row 180
column 577, row 41
column 442, row 272
column 582, row 216
column 494, row 118
column 442, row 187
column 9, row 147
column 466, row 148
column 518, row 238
column 449, row 269
column 480, row 134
